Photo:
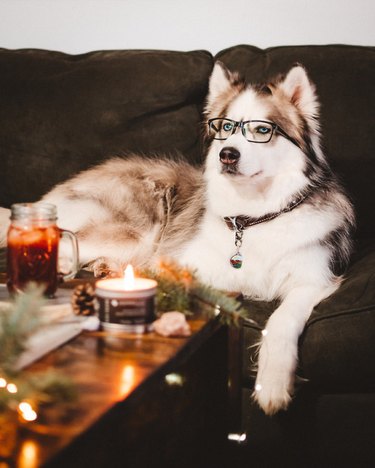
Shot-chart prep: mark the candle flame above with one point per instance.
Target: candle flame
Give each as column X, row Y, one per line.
column 129, row 281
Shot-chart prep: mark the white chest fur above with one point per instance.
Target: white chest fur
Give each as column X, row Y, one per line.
column 274, row 253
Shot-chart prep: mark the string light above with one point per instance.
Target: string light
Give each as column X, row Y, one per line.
column 237, row 437
column 174, row 379
column 264, row 332
column 12, row 388
column 258, row 387
column 26, row 411
column 3, row 383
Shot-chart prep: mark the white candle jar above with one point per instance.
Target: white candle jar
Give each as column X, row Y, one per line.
column 121, row 309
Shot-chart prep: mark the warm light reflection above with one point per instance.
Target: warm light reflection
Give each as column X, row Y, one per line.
column 127, row 380
column 28, row 457
column 3, row 383
column 129, row 281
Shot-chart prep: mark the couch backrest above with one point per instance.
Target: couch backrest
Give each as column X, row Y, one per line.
column 61, row 113
column 345, row 80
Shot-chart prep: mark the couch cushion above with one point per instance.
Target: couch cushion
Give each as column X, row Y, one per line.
column 61, row 113
column 317, row 431
column 345, row 77
column 337, row 348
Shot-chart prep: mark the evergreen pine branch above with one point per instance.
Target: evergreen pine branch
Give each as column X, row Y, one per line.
column 17, row 323
column 52, row 387
column 172, row 296
column 173, row 287
column 229, row 308
column 179, row 289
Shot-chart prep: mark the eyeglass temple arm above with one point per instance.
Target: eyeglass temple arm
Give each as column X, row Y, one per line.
column 281, row 132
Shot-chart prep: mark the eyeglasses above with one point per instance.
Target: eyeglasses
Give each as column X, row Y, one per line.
column 255, row 131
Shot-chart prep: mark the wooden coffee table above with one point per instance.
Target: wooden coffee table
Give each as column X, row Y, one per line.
column 144, row 400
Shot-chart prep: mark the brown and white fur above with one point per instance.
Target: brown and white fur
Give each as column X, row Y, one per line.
column 137, row 210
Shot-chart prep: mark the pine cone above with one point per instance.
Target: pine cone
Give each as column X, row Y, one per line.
column 83, row 299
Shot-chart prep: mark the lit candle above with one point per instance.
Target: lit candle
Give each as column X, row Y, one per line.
column 126, row 304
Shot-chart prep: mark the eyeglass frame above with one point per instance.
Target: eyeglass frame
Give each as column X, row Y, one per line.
column 275, row 129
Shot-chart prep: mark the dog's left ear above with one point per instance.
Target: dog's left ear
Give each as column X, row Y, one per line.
column 300, row 91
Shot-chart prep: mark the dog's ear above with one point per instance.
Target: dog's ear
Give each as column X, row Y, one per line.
column 220, row 83
column 220, row 80
column 300, row 91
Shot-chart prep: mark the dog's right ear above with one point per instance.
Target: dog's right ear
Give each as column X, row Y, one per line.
column 221, row 81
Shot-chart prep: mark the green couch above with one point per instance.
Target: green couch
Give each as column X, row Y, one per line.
column 62, row 113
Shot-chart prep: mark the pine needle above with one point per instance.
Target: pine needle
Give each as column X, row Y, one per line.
column 17, row 323
column 179, row 289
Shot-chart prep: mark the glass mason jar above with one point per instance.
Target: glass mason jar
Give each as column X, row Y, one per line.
column 33, row 248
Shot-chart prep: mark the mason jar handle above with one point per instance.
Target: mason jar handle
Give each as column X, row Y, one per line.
column 75, row 258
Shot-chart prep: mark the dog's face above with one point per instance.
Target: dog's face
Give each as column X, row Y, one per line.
column 259, row 132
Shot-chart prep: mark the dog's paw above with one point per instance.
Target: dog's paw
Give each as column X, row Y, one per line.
column 277, row 359
column 103, row 268
column 272, row 396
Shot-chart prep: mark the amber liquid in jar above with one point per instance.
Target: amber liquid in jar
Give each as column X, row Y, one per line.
column 32, row 249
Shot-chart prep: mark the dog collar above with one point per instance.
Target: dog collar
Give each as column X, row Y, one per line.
column 239, row 223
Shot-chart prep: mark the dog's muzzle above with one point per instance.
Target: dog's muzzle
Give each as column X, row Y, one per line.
column 229, row 158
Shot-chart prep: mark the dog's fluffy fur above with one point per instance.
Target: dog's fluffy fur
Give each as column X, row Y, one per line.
column 137, row 210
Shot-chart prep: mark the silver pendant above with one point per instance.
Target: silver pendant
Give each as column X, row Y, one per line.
column 236, row 260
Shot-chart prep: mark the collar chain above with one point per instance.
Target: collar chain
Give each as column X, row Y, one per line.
column 239, row 223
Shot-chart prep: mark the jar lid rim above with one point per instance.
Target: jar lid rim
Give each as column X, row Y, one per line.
column 40, row 210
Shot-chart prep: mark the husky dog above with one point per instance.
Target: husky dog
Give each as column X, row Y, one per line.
column 265, row 217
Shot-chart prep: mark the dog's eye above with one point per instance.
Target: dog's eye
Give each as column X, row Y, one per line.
column 263, row 130
column 227, row 127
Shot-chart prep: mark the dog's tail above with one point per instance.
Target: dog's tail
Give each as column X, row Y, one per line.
column 4, row 225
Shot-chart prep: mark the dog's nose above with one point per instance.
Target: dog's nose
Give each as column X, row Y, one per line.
column 229, row 155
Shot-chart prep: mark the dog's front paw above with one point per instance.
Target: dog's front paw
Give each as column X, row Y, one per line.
column 277, row 361
column 104, row 268
column 272, row 396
